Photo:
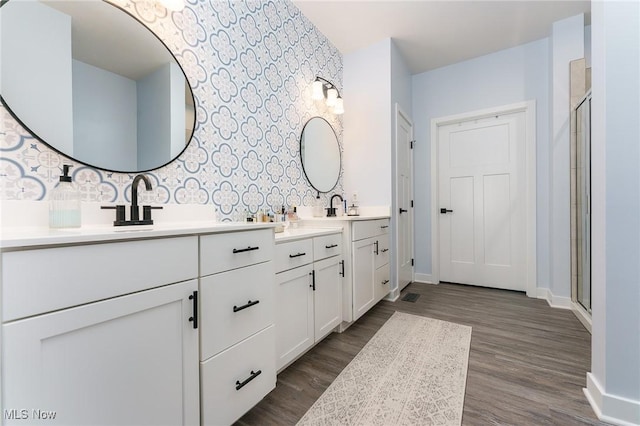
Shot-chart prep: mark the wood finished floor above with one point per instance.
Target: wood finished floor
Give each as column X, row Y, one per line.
column 527, row 364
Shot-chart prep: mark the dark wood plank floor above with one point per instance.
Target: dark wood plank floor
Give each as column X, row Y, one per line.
column 527, row 364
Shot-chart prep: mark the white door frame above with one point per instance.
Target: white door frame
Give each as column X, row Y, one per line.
column 529, row 108
column 405, row 116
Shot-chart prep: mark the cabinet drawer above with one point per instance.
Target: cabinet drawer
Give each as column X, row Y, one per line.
column 369, row 228
column 44, row 280
column 293, row 254
column 234, row 305
column 381, row 282
column 327, row 246
column 382, row 258
column 223, row 252
column 221, row 376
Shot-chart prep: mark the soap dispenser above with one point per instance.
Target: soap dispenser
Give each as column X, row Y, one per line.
column 64, row 203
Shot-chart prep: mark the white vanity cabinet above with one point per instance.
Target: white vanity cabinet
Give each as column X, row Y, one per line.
column 101, row 334
column 370, row 249
column 308, row 293
column 237, row 338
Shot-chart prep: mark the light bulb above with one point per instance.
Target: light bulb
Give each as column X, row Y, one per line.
column 332, row 96
column 339, row 106
column 317, row 93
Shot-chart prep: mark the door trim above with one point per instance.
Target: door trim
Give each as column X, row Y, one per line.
column 529, row 108
column 396, row 291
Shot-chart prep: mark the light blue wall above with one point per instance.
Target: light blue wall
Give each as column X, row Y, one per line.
column 154, row 117
column 509, row 76
column 110, row 125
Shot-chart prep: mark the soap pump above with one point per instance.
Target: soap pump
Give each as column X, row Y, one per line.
column 64, row 203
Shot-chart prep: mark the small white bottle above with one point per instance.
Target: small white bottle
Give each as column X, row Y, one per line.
column 64, row 203
column 317, row 207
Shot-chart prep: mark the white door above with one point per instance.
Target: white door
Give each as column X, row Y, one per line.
column 294, row 314
column 123, row 361
column 404, row 191
column 481, row 178
column 327, row 297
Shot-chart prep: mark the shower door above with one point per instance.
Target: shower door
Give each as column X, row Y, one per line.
column 583, row 202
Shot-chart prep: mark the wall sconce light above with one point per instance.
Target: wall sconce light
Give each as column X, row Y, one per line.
column 324, row 89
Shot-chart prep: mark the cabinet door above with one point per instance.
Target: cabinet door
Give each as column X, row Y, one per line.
column 294, row 314
column 382, row 283
column 363, row 276
column 327, row 298
column 122, row 361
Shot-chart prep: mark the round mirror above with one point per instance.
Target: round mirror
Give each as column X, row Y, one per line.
column 320, row 154
column 93, row 83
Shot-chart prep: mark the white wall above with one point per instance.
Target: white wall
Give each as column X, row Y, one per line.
column 506, row 77
column 367, row 127
column 154, row 121
column 105, row 132
column 614, row 382
column 567, row 44
column 36, row 72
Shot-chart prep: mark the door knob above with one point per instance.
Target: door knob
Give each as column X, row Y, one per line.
column 445, row 211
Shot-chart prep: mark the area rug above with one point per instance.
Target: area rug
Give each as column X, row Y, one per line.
column 412, row 372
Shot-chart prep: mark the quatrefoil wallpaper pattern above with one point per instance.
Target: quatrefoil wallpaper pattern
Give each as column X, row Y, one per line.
column 251, row 65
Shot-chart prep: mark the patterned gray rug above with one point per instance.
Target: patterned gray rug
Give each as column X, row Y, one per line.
column 412, row 372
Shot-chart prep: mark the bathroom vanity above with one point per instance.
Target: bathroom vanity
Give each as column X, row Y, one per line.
column 174, row 324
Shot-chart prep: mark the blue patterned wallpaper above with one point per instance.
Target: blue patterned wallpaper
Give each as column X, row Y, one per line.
column 251, row 65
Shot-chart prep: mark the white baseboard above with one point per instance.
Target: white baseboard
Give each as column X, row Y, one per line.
column 611, row 408
column 554, row 301
column 393, row 295
column 423, row 278
column 582, row 315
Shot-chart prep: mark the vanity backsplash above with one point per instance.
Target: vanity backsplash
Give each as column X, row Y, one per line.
column 251, row 65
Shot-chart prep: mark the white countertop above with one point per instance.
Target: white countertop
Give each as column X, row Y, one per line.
column 12, row 238
column 344, row 218
column 291, row 234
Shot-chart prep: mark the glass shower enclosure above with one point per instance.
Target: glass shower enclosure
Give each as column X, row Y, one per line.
column 582, row 292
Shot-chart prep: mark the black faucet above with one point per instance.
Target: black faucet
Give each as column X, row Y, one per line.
column 331, row 211
column 135, row 211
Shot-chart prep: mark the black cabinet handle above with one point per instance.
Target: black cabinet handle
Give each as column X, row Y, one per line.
column 342, row 263
column 240, row 385
column 445, row 211
column 403, row 210
column 243, row 250
column 384, row 250
column 385, row 226
column 385, row 282
column 248, row 305
column 313, row 280
column 194, row 318
column 297, row 255
column 331, row 246
column 377, row 248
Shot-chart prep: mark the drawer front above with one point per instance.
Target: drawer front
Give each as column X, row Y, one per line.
column 235, row 305
column 223, row 252
column 293, row 254
column 220, row 376
column 382, row 258
column 382, row 282
column 44, row 280
column 327, row 246
column 369, row 228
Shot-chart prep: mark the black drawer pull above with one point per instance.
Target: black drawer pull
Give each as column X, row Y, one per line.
column 384, row 250
column 248, row 305
column 297, row 255
column 385, row 282
column 342, row 263
column 331, row 246
column 194, row 318
column 240, row 385
column 243, row 250
column 384, row 226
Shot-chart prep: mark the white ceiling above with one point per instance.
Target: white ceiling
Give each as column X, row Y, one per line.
column 431, row 33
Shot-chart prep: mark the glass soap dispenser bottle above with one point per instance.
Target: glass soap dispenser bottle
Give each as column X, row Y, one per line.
column 64, row 203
